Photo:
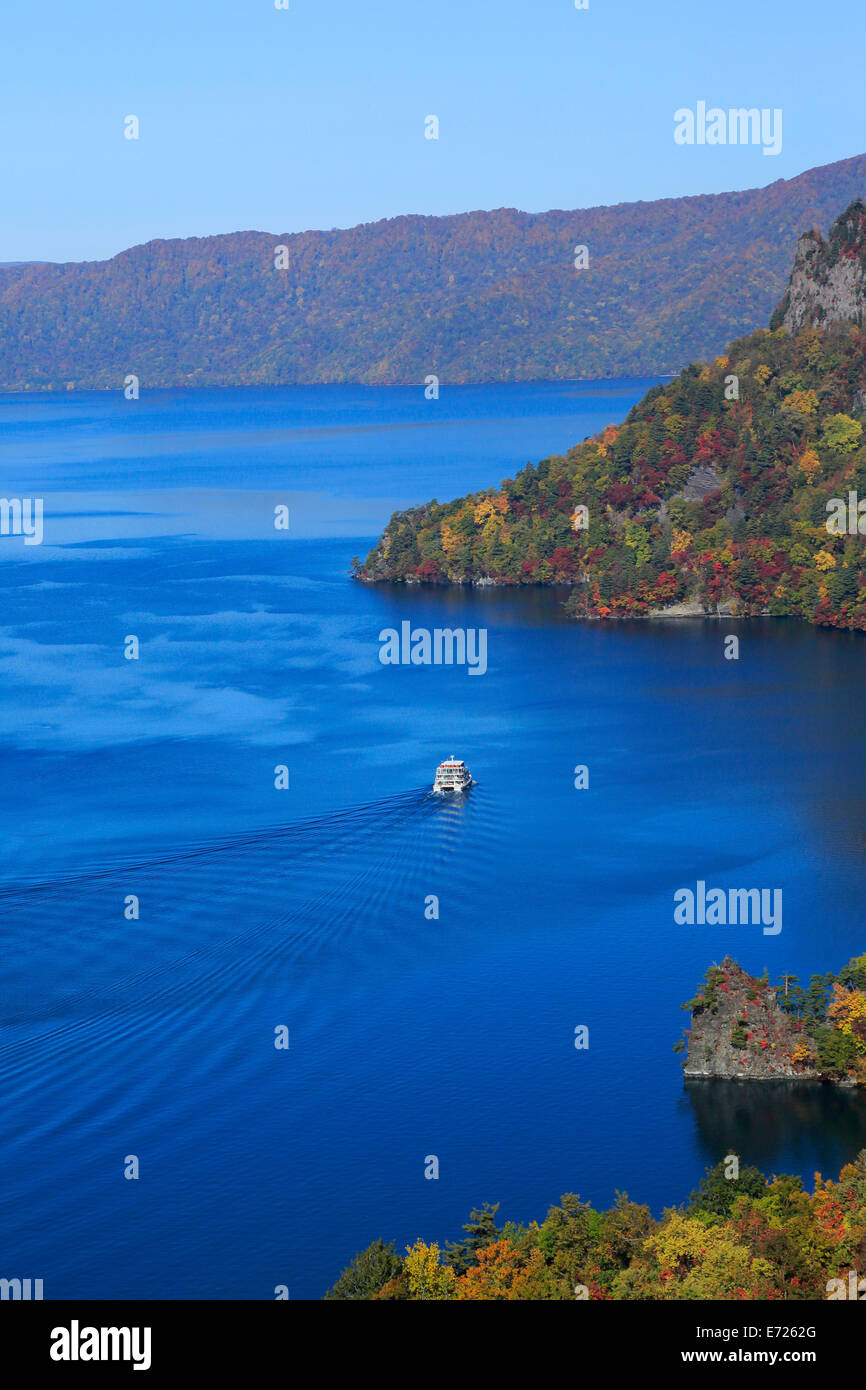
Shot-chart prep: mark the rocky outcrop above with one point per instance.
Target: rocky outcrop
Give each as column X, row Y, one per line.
column 703, row 481
column 739, row 1030
column 828, row 281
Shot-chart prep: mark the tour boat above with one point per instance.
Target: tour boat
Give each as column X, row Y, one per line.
column 452, row 776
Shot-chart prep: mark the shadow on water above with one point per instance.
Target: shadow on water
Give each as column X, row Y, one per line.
column 521, row 606
column 821, row 1126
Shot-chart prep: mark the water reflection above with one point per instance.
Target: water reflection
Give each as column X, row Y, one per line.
column 816, row 1127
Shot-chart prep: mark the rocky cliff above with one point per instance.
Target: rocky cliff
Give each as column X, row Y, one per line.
column 828, row 281
column 739, row 1030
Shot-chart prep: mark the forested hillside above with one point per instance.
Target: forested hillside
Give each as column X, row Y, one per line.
column 722, row 490
column 483, row 296
column 739, row 1236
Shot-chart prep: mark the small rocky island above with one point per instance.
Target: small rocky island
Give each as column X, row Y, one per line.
column 744, row 1028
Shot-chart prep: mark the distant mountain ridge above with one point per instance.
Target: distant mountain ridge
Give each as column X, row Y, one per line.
column 482, row 296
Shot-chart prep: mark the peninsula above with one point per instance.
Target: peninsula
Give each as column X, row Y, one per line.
column 733, row 489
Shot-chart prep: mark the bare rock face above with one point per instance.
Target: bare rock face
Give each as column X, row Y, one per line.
column 828, row 282
column 702, row 482
column 740, row 1031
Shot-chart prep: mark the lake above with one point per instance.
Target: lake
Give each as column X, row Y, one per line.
column 166, row 908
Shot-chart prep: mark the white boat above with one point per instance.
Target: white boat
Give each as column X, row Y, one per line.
column 452, row 776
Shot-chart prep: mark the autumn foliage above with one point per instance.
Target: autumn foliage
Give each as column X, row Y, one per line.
column 740, row 1236
column 713, row 491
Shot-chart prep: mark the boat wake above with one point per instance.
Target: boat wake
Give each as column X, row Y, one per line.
column 233, row 915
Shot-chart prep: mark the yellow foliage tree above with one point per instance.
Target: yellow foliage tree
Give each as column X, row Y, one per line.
column 841, row 433
column 703, row 1261
column 809, row 465
column 680, row 1243
column 450, row 539
column 810, row 344
column 680, row 540
column 825, row 561
column 802, row 1056
column 847, row 1009
column 804, row 402
column 428, row 1278
column 637, row 539
column 490, row 507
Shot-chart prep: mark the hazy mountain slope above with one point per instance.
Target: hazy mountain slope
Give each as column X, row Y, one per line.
column 478, row 297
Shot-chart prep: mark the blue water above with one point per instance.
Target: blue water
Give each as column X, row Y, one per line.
column 305, row 907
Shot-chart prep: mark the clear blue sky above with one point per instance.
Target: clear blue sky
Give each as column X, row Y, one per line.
column 252, row 117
